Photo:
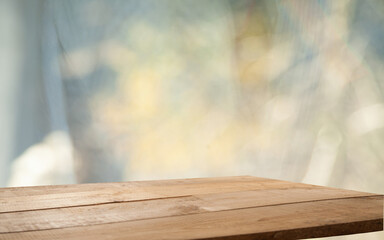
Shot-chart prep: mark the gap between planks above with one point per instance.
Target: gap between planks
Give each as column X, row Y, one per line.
column 50, row 197
column 134, row 191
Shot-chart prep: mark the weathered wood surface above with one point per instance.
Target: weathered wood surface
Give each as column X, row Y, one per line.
column 243, row 207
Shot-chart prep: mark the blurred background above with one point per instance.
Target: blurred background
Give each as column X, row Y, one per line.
column 119, row 90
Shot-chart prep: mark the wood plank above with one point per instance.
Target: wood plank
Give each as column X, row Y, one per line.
column 286, row 221
column 85, row 194
column 138, row 210
column 43, row 190
column 97, row 214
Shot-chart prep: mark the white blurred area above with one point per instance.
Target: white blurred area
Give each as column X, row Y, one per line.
column 97, row 90
column 45, row 163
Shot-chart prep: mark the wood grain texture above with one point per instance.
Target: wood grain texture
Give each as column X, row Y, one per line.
column 13, row 199
column 154, row 208
column 214, row 208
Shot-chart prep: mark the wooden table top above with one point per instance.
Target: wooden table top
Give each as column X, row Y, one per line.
column 242, row 207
